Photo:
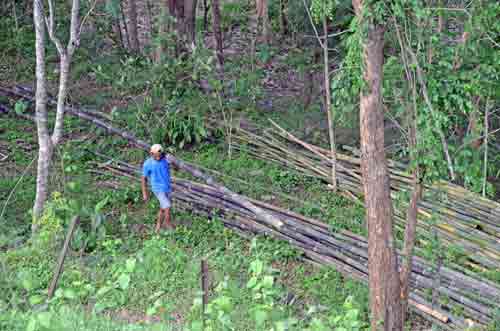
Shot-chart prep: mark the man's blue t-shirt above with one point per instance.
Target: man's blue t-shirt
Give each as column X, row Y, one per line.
column 158, row 173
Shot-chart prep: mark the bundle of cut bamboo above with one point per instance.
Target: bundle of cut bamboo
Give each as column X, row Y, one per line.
column 346, row 251
column 456, row 216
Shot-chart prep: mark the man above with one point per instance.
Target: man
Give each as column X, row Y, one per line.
column 156, row 169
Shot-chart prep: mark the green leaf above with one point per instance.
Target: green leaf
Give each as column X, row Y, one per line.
column 268, row 281
column 256, row 267
column 36, row 299
column 45, row 319
column 151, row 311
column 20, row 107
column 124, row 281
column 103, row 290
column 260, row 317
column 69, row 294
column 130, row 264
column 251, row 283
column 101, row 204
column 31, row 325
column 197, row 326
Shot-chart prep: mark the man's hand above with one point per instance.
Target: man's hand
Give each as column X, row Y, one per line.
column 145, row 197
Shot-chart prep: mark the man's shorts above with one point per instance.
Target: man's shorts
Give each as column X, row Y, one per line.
column 164, row 199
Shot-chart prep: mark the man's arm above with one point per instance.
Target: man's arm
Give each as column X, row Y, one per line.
column 144, row 184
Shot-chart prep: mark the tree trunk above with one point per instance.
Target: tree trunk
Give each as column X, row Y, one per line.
column 45, row 141
column 45, row 148
column 206, row 8
column 64, row 67
column 132, row 26
column 217, row 33
column 148, row 25
column 180, row 26
column 328, row 105
column 284, row 17
column 384, row 279
column 263, row 18
column 165, row 10
column 123, row 19
column 190, row 22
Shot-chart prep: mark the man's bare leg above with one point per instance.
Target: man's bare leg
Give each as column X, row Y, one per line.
column 167, row 223
column 158, row 221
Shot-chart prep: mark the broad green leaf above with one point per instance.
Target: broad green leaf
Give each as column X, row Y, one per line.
column 69, row 293
column 124, row 281
column 256, row 267
column 268, row 281
column 36, row 299
column 251, row 283
column 31, row 325
column 103, row 290
column 45, row 318
column 260, row 317
column 130, row 264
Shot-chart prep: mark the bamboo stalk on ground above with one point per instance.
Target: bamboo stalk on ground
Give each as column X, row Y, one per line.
column 345, row 251
column 463, row 221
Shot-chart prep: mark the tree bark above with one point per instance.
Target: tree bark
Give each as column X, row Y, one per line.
column 409, row 242
column 217, row 33
column 148, row 25
column 123, row 19
column 206, row 8
column 64, row 66
column 190, row 22
column 284, row 17
column 180, row 26
column 44, row 142
column 328, row 105
column 263, row 17
column 384, row 282
column 132, row 26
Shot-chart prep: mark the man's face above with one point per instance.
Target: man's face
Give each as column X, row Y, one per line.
column 156, row 155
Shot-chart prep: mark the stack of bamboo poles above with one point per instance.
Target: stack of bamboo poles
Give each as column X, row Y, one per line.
column 447, row 212
column 449, row 290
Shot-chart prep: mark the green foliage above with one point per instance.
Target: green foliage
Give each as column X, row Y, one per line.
column 69, row 318
column 55, row 217
column 348, row 320
column 184, row 130
column 322, row 8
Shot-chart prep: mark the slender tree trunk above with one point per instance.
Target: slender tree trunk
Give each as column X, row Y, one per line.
column 411, row 214
column 266, row 28
column 417, row 187
column 45, row 141
column 125, row 28
column 206, row 8
column 384, row 279
column 64, row 70
column 409, row 243
column 132, row 25
column 190, row 22
column 45, row 148
column 148, row 25
column 218, row 34
column 284, row 17
column 328, row 106
column 180, row 26
column 485, row 165
column 253, row 29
